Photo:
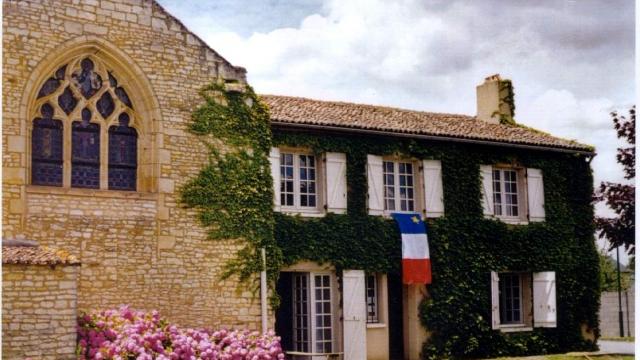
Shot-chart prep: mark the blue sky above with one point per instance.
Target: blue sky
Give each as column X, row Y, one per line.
column 571, row 62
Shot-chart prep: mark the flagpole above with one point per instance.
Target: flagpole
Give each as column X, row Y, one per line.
column 263, row 290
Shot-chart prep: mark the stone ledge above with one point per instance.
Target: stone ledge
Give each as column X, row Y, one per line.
column 112, row 194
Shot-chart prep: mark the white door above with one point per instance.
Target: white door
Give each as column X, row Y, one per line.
column 313, row 315
column 355, row 315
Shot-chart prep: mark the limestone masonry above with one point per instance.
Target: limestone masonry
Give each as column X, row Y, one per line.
column 139, row 248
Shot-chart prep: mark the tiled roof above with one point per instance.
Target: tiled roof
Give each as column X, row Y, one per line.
column 28, row 254
column 295, row 110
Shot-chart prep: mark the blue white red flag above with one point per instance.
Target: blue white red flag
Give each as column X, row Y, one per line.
column 416, row 264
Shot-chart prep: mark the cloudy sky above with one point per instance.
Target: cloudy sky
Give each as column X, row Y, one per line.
column 571, row 61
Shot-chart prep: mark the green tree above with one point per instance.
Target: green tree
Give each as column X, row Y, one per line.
column 621, row 229
column 608, row 276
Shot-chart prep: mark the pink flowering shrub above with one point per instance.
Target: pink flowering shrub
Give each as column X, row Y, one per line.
column 127, row 334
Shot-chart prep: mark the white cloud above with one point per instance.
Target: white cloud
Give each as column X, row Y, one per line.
column 571, row 62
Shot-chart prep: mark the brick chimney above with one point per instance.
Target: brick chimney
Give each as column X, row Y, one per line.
column 495, row 101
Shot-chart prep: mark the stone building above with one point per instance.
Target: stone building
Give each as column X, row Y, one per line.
column 98, row 97
column 118, row 75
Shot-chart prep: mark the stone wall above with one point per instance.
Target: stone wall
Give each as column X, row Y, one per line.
column 140, row 248
column 39, row 311
column 609, row 323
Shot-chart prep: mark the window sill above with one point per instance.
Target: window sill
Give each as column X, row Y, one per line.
column 509, row 221
column 303, row 213
column 515, row 328
column 111, row 194
column 376, row 325
column 387, row 214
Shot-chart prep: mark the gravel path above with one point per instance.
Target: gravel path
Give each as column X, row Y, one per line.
column 616, row 347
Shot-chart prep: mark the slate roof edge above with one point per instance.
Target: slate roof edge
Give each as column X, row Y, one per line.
column 337, row 128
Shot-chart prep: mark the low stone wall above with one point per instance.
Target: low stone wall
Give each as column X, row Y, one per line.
column 609, row 323
column 39, row 305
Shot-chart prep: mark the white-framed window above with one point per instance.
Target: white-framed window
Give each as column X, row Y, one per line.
column 512, row 194
column 523, row 300
column 506, row 193
column 298, row 181
column 399, row 186
column 308, row 184
column 313, row 319
column 396, row 184
column 372, row 298
column 510, row 293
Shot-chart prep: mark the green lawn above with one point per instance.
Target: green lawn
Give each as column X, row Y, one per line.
column 574, row 356
column 627, row 339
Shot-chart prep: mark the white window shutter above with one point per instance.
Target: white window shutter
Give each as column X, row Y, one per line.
column 433, row 195
column 486, row 174
column 495, row 300
column 375, row 185
column 354, row 315
column 274, row 159
column 336, row 182
column 544, row 299
column 535, row 194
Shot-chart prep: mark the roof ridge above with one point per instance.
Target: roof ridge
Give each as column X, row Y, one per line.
column 341, row 102
column 301, row 110
column 241, row 69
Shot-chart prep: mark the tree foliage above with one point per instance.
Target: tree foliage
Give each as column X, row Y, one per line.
column 609, row 276
column 621, row 197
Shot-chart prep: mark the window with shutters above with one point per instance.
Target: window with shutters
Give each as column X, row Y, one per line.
column 308, row 184
column 523, row 300
column 399, row 181
column 513, row 194
column 85, row 132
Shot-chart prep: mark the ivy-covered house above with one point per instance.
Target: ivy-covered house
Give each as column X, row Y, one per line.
column 137, row 151
column 508, row 218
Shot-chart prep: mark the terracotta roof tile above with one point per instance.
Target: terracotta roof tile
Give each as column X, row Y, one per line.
column 36, row 255
column 295, row 110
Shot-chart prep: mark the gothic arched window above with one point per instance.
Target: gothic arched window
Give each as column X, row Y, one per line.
column 81, row 104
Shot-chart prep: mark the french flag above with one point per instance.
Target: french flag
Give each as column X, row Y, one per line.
column 416, row 265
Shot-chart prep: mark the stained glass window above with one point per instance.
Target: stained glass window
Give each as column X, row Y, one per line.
column 122, row 155
column 85, row 152
column 87, row 84
column 46, row 149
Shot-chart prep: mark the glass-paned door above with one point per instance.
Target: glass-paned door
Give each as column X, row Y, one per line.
column 313, row 317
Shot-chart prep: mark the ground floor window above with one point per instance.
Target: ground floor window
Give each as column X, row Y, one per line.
column 510, row 298
column 371, row 296
column 312, row 312
column 523, row 300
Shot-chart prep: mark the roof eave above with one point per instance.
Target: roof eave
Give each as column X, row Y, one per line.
column 330, row 128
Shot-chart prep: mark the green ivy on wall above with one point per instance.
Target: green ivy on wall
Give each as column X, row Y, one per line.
column 507, row 96
column 233, row 193
column 464, row 245
column 235, row 189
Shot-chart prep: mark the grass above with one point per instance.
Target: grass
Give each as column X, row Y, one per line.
column 573, row 356
column 586, row 357
column 617, row 338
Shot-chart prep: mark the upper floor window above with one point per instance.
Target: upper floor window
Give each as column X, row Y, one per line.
column 505, row 192
column 513, row 194
column 396, row 184
column 298, row 181
column 85, row 134
column 399, row 186
column 308, row 184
